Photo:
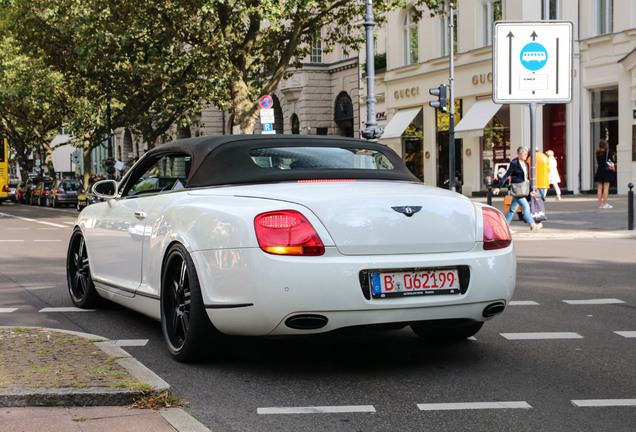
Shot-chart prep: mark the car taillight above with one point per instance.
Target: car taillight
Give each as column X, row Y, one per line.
column 287, row 232
column 59, row 191
column 496, row 230
column 5, row 188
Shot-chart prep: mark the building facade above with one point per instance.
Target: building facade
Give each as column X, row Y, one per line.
column 487, row 134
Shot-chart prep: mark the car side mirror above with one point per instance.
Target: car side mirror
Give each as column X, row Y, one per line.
column 105, row 189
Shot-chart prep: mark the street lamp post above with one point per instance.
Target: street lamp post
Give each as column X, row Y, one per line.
column 451, row 122
column 372, row 131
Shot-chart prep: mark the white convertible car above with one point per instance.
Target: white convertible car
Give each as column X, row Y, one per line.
column 288, row 235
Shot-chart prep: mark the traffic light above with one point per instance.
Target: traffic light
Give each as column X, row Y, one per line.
column 441, row 102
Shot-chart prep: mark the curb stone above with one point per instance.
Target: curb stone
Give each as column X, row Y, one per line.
column 88, row 396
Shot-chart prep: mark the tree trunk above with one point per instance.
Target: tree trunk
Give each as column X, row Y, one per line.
column 87, row 156
column 245, row 111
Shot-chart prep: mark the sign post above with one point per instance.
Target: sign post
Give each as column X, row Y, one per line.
column 532, row 63
column 267, row 114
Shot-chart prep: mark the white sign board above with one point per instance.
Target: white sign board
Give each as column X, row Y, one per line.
column 532, row 62
column 267, row 115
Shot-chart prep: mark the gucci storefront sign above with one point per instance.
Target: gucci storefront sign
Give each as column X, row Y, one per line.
column 407, row 92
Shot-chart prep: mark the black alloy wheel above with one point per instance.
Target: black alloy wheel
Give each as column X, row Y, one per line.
column 78, row 273
column 186, row 327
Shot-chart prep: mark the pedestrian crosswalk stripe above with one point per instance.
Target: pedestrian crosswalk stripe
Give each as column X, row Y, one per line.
column 131, row 342
column 8, row 310
column 541, row 335
column 473, row 406
column 65, row 309
column 627, row 334
column 604, row 402
column 316, row 409
column 594, row 301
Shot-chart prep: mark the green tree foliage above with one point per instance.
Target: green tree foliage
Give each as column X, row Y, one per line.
column 32, row 102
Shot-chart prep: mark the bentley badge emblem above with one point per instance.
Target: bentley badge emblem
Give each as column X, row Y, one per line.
column 407, row 210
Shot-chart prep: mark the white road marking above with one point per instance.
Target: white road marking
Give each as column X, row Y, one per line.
column 594, row 301
column 18, row 229
column 131, row 342
column 523, row 303
column 473, row 406
column 541, row 335
column 316, row 409
column 8, row 310
column 627, row 334
column 604, row 402
column 33, row 220
column 47, row 241
column 11, row 241
column 65, row 309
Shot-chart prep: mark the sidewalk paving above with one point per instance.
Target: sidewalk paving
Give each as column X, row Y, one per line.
column 58, row 380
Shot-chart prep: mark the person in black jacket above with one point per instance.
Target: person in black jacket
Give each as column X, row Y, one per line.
column 519, row 171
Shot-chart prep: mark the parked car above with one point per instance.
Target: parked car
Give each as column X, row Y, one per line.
column 65, row 192
column 288, row 235
column 18, row 191
column 86, row 199
column 41, row 192
column 29, row 186
column 8, row 193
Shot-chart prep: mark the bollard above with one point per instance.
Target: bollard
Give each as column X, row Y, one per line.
column 630, row 207
column 489, row 187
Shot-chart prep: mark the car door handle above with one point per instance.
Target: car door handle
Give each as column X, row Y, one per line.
column 140, row 214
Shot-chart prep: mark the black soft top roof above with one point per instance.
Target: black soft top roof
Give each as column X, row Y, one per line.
column 221, row 160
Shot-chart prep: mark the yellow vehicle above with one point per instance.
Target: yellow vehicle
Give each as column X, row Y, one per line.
column 4, row 170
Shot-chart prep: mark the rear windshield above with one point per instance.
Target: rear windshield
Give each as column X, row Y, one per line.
column 319, row 158
column 70, row 186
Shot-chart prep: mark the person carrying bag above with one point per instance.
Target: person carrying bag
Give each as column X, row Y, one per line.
column 518, row 172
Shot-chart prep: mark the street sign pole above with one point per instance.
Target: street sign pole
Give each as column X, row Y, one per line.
column 451, row 123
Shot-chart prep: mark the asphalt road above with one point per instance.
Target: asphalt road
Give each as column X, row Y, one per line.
column 562, row 350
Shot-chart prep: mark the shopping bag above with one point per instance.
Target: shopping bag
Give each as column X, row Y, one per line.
column 507, row 202
column 537, row 209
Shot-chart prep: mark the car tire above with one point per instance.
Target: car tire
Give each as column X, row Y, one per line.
column 444, row 331
column 186, row 327
column 53, row 203
column 78, row 273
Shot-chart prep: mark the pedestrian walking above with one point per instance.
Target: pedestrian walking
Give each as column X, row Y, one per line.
column 604, row 172
column 519, row 188
column 553, row 174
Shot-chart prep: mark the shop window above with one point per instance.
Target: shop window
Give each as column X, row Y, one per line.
column 443, row 149
column 554, row 137
column 495, row 146
column 410, row 38
column 413, row 146
column 603, row 124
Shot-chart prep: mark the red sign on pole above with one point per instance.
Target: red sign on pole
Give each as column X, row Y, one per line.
column 266, row 102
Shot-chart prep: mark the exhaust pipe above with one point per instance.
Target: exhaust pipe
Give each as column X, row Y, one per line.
column 306, row 322
column 493, row 309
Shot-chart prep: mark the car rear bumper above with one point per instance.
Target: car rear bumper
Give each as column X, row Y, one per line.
column 248, row 292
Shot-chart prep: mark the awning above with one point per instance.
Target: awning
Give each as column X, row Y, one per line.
column 476, row 119
column 399, row 122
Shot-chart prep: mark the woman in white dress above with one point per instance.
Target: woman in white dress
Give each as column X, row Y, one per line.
column 553, row 174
